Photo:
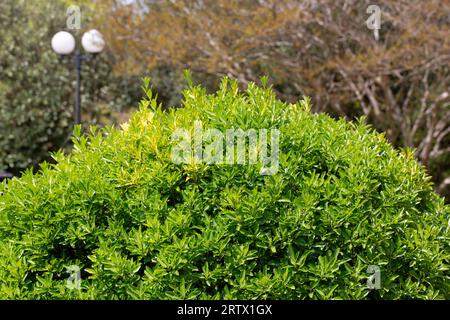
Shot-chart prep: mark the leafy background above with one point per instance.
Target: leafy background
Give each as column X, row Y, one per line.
column 400, row 83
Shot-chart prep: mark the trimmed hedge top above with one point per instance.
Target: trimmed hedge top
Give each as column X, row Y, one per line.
column 139, row 226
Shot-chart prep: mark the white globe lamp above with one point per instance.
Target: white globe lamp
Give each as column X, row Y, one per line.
column 92, row 41
column 63, row 43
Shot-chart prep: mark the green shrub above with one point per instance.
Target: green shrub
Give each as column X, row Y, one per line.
column 140, row 226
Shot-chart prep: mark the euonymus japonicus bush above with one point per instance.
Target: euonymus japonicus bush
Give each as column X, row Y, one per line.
column 140, row 225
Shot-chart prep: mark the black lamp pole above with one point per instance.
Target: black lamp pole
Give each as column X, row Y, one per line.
column 77, row 114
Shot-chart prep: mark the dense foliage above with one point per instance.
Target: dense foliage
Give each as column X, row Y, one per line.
column 140, row 226
column 37, row 88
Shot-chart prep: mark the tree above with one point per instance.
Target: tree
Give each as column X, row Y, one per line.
column 37, row 89
column 322, row 49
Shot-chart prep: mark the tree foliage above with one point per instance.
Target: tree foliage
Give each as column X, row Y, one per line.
column 37, row 88
column 321, row 49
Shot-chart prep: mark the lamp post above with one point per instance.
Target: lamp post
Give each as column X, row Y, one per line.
column 63, row 43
